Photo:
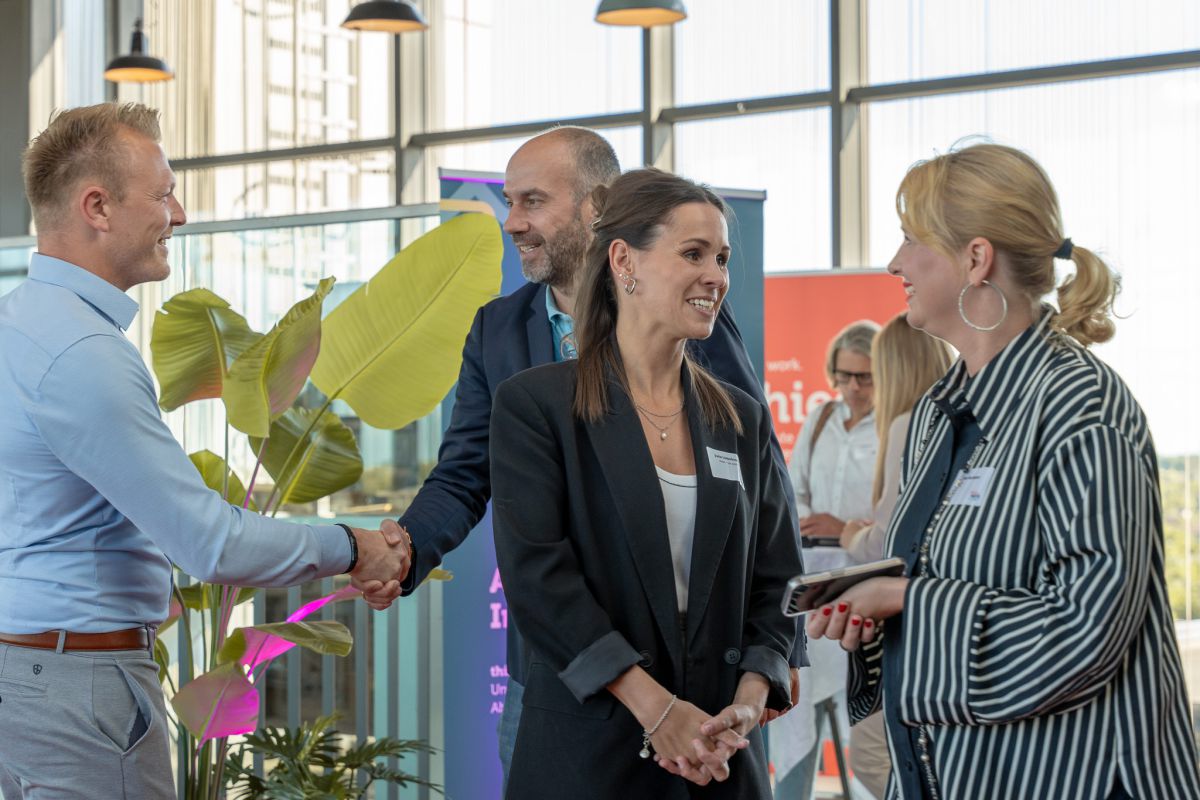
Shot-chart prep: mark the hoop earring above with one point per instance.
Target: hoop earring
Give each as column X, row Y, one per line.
column 630, row 283
column 1003, row 307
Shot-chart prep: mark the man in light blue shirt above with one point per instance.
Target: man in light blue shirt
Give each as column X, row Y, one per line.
column 97, row 499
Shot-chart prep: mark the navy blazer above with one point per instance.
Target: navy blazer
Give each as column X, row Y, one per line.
column 582, row 544
column 509, row 335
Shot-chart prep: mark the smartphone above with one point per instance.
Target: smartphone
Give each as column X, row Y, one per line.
column 815, row 589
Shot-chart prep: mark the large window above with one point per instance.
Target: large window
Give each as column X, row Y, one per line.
column 790, row 160
column 921, row 39
column 257, row 75
column 505, row 61
column 730, row 51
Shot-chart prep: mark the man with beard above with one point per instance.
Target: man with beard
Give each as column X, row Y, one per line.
column 547, row 185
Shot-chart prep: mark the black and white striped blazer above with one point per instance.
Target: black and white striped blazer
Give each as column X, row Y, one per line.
column 1041, row 651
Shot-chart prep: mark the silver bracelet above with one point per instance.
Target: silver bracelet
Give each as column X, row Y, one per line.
column 645, row 751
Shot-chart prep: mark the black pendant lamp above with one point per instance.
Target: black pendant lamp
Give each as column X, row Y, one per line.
column 643, row 13
column 391, row 16
column 137, row 67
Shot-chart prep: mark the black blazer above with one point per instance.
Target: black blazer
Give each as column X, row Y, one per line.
column 581, row 541
column 511, row 334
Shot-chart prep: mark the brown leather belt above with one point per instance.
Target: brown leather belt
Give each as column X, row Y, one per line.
column 128, row 639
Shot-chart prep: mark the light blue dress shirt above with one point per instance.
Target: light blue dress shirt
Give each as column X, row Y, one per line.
column 97, row 499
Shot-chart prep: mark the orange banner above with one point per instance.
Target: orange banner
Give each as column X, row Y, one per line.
column 801, row 314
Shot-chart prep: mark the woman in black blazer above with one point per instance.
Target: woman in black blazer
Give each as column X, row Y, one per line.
column 651, row 607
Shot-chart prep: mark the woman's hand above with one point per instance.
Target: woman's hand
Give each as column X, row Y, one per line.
column 850, row 529
column 681, row 749
column 854, row 618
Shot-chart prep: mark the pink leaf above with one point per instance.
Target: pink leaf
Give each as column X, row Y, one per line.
column 218, row 703
column 262, row 647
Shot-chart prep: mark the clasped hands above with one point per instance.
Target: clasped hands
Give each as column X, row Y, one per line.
column 384, row 558
column 697, row 747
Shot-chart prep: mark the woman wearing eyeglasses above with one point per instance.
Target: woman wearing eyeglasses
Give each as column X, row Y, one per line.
column 833, row 462
column 832, row 470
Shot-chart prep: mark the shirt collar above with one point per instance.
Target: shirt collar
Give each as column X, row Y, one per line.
column 990, row 394
column 557, row 316
column 99, row 293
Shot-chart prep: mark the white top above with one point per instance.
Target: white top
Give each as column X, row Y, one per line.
column 679, row 499
column 867, row 544
column 838, row 477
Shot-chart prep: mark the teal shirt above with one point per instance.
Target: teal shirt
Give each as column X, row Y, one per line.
column 563, row 329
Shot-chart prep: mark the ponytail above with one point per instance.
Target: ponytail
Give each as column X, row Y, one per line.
column 1085, row 299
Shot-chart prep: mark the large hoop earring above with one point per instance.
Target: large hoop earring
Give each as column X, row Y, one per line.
column 1003, row 307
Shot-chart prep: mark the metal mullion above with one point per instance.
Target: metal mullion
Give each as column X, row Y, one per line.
column 282, row 154
column 756, row 105
column 467, row 135
column 302, row 220
column 1032, row 76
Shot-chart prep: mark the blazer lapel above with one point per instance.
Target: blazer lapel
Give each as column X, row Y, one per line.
column 716, row 502
column 537, row 330
column 629, row 471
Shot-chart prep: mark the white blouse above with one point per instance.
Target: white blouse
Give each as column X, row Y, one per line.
column 837, row 476
column 867, row 544
column 679, row 499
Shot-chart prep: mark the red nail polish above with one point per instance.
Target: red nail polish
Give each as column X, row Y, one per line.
column 827, row 610
column 868, row 624
column 855, row 621
column 842, row 608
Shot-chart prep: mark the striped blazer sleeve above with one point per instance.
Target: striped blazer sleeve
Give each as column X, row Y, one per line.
column 978, row 655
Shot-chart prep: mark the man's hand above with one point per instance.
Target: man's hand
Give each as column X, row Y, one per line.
column 384, row 559
column 824, row 525
column 770, row 714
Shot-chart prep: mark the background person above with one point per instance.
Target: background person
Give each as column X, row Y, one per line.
column 831, row 472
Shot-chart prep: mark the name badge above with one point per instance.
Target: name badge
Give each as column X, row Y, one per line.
column 725, row 465
column 972, row 487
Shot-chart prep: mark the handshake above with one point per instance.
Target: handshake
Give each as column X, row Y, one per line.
column 384, row 559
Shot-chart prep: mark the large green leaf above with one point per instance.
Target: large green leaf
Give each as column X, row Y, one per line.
column 215, row 472
column 196, row 337
column 257, row 644
column 393, row 348
column 310, row 457
column 265, row 379
column 197, row 598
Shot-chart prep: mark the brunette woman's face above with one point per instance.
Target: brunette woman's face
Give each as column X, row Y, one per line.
column 683, row 277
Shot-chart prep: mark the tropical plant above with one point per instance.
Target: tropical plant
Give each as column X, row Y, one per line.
column 309, row 763
column 391, row 351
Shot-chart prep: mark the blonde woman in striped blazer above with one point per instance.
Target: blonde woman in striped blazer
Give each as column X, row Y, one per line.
column 1030, row 650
